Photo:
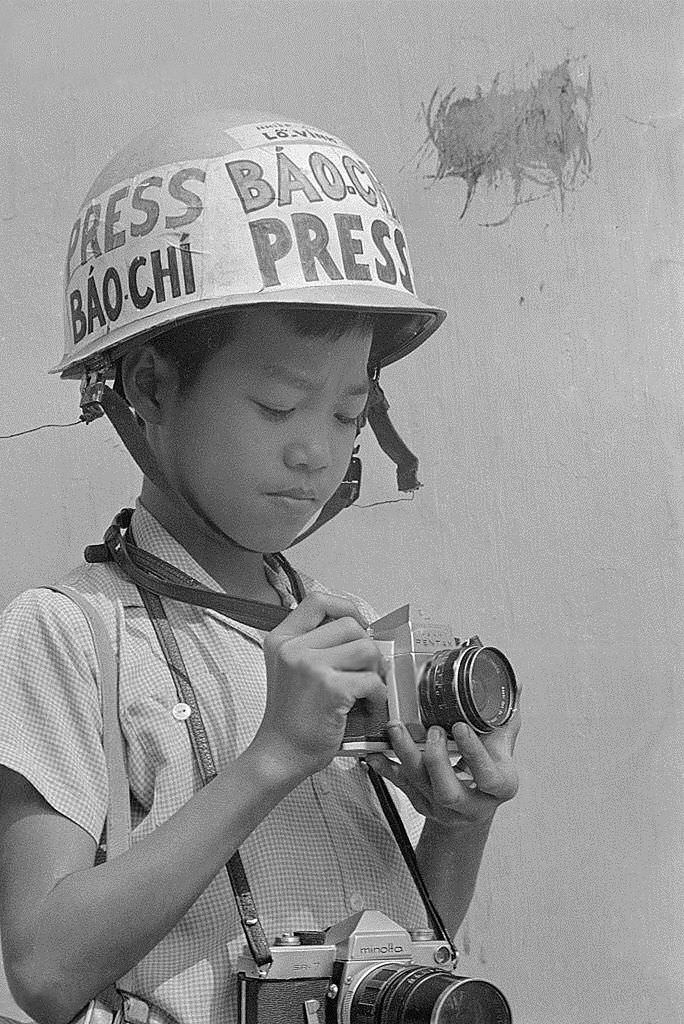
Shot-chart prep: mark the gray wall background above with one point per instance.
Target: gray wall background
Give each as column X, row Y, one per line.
column 547, row 411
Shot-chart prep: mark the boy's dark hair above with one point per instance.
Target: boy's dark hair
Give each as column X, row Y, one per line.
column 189, row 343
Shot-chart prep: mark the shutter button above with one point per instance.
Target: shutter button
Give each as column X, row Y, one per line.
column 181, row 711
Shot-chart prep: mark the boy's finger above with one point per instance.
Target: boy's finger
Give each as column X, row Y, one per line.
column 335, row 632
column 496, row 778
column 512, row 728
column 472, row 750
column 313, row 611
column 367, row 686
column 404, row 747
column 356, row 655
column 447, row 789
column 390, row 770
column 501, row 742
column 394, row 772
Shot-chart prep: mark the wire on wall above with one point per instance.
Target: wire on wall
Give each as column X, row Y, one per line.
column 43, row 426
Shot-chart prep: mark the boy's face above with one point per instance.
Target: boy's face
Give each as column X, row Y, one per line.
column 263, row 437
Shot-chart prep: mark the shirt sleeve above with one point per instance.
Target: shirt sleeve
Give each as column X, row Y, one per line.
column 51, row 729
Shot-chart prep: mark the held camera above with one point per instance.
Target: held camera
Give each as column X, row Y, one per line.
column 432, row 679
column 365, row 970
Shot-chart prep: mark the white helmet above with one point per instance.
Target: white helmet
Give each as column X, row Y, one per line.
column 220, row 209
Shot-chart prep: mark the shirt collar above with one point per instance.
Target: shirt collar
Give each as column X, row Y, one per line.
column 150, row 535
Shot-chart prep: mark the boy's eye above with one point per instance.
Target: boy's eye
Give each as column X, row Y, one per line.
column 272, row 413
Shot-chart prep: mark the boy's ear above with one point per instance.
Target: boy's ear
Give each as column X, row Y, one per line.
column 147, row 377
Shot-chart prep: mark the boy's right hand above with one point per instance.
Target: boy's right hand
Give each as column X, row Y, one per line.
column 319, row 662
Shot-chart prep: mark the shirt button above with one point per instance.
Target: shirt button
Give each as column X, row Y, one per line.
column 181, row 711
column 357, row 902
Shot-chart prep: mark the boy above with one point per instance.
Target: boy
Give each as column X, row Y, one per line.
column 244, row 281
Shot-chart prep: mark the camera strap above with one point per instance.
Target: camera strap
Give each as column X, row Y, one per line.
column 244, row 900
column 159, row 577
column 389, row 809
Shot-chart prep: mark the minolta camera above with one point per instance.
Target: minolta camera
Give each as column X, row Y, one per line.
column 365, row 970
column 432, row 679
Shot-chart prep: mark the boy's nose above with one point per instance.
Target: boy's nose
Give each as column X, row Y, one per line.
column 312, row 453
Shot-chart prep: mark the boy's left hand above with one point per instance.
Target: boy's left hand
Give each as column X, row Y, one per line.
column 431, row 783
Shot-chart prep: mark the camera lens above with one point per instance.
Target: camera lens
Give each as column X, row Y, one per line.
column 472, row 684
column 394, row 994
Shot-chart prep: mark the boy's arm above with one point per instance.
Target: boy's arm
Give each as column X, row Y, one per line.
column 457, row 817
column 449, row 861
column 69, row 928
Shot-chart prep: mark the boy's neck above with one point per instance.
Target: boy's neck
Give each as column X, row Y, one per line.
column 238, row 571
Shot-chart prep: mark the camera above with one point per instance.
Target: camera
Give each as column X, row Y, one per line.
column 432, row 678
column 365, row 970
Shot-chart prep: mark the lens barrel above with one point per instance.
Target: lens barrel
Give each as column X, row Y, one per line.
column 397, row 994
column 471, row 683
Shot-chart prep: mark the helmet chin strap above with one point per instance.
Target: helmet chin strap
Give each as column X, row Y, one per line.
column 97, row 399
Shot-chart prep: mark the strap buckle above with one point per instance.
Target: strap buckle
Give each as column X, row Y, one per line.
column 115, row 1007
column 134, row 1010
column 92, row 389
column 352, row 478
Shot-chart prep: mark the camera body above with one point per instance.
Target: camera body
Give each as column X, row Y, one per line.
column 433, row 678
column 359, row 968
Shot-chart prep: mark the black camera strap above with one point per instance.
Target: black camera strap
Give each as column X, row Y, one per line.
column 159, row 577
column 244, row 900
column 389, row 809
column 154, row 579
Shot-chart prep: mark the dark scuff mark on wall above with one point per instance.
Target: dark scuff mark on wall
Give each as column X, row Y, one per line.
column 536, row 136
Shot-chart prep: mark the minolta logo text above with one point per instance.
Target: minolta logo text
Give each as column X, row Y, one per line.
column 391, row 949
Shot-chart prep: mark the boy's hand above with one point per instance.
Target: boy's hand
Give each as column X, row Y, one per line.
column 432, row 785
column 319, row 661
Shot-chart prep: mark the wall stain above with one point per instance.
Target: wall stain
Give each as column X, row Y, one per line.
column 536, row 137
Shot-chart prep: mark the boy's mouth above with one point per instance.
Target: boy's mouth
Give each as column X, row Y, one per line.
column 295, row 494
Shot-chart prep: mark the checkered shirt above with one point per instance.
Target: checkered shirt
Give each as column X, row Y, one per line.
column 323, row 853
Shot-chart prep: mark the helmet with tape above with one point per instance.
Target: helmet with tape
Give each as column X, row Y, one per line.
column 221, row 210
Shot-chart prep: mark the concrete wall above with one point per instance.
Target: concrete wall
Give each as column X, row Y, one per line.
column 547, row 412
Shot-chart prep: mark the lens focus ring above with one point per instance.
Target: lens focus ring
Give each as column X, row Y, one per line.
column 412, row 994
column 437, row 693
